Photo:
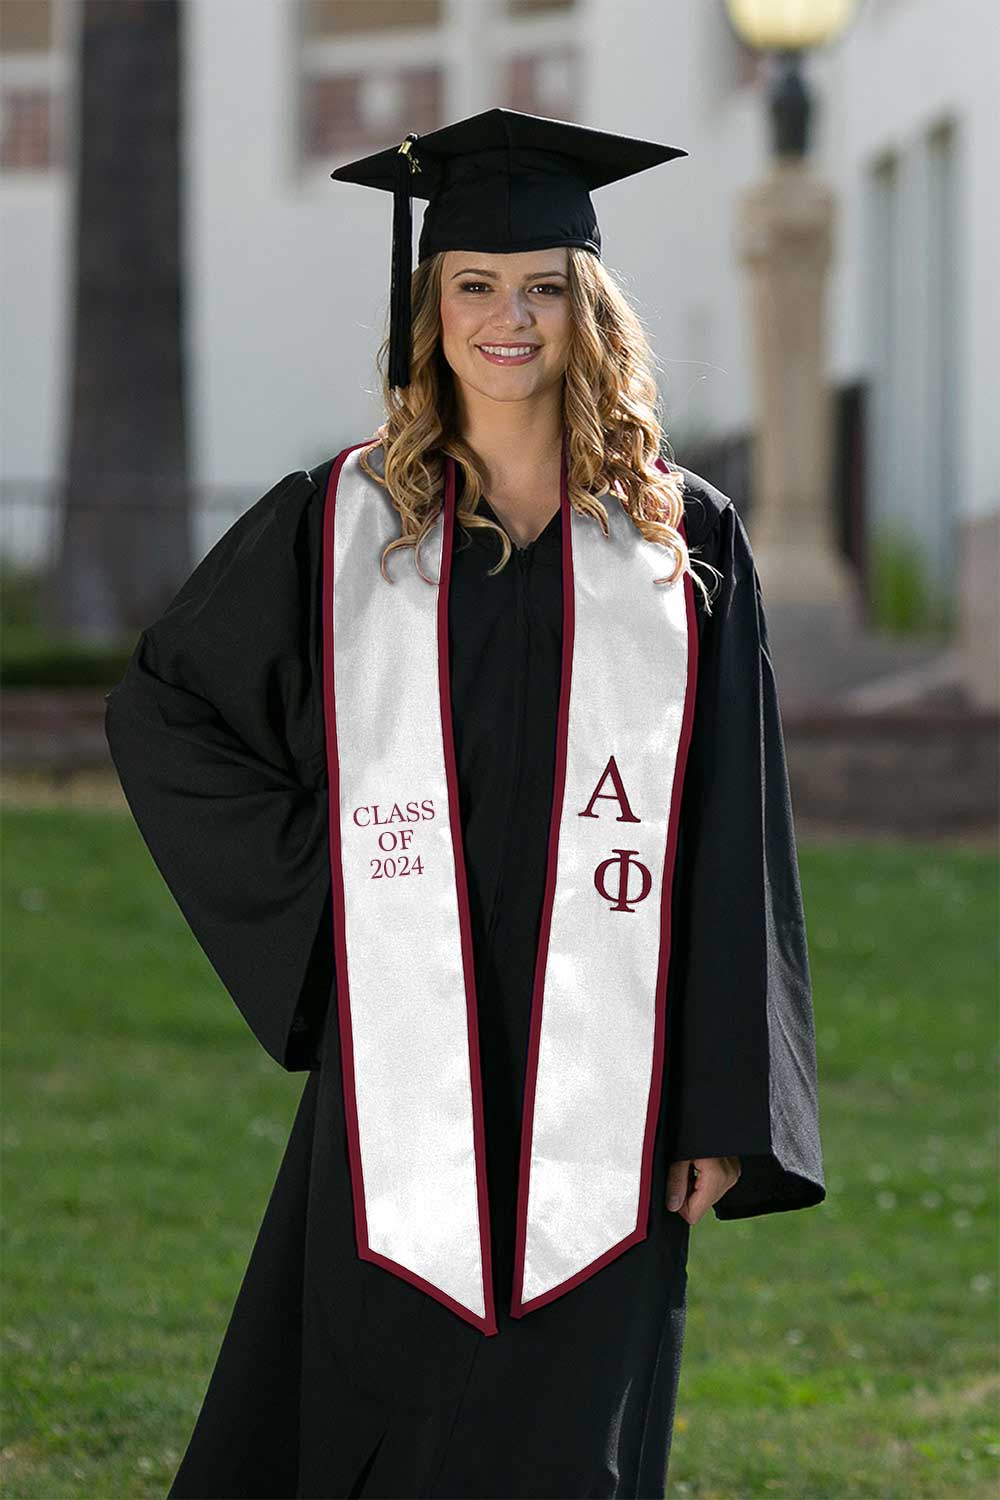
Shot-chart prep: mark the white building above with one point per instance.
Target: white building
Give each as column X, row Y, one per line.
column 287, row 272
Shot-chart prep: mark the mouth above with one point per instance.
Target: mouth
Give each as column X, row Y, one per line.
column 508, row 354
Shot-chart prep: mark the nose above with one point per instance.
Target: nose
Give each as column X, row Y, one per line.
column 512, row 311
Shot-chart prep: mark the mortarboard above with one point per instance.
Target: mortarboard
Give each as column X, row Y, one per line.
column 500, row 181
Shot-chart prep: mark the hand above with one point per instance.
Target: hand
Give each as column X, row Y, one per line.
column 712, row 1176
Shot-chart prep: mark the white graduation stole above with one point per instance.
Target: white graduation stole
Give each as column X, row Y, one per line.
column 404, row 962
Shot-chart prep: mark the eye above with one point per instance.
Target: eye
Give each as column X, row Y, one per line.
column 545, row 286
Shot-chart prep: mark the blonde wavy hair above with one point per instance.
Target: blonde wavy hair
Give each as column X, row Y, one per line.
column 611, row 411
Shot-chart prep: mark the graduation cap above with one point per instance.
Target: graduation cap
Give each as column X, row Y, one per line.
column 499, row 181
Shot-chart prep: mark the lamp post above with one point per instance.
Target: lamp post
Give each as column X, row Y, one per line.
column 785, row 240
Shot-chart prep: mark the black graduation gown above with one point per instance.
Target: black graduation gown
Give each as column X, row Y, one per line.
column 335, row 1377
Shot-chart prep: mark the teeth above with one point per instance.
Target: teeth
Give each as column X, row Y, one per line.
column 508, row 353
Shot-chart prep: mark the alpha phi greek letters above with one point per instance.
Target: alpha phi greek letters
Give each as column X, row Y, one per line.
column 616, row 889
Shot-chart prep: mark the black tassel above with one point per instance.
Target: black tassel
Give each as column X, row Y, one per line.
column 402, row 264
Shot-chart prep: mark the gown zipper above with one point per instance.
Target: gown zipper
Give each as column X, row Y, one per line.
column 522, row 559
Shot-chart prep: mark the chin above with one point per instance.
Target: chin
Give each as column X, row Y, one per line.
column 491, row 379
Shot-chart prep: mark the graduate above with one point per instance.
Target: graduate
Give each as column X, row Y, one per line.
column 461, row 755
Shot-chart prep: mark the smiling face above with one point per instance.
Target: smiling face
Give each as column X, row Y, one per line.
column 505, row 320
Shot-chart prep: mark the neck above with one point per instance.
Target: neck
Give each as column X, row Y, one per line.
column 519, row 444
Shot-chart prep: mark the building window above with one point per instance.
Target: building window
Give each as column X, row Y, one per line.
column 369, row 73
column 543, row 83
column 733, row 64
column 372, row 70
column 354, row 113
column 747, row 65
column 537, row 60
column 26, row 138
column 32, row 88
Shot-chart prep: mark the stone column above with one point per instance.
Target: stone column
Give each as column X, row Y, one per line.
column 785, row 239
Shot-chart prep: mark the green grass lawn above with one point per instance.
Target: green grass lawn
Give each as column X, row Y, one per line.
column 845, row 1350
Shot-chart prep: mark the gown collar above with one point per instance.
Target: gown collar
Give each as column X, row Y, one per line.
column 549, row 536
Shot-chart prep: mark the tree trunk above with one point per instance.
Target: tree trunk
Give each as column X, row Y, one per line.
column 125, row 536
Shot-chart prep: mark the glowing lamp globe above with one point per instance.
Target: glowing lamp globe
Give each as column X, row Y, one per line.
column 789, row 25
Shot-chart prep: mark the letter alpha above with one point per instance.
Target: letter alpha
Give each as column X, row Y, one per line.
column 625, row 815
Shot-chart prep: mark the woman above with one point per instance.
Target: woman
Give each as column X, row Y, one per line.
column 473, row 792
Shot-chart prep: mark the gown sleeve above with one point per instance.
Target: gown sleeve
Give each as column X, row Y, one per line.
column 742, row 1037
column 216, row 733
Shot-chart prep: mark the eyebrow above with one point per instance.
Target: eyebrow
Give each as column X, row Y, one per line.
column 528, row 275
